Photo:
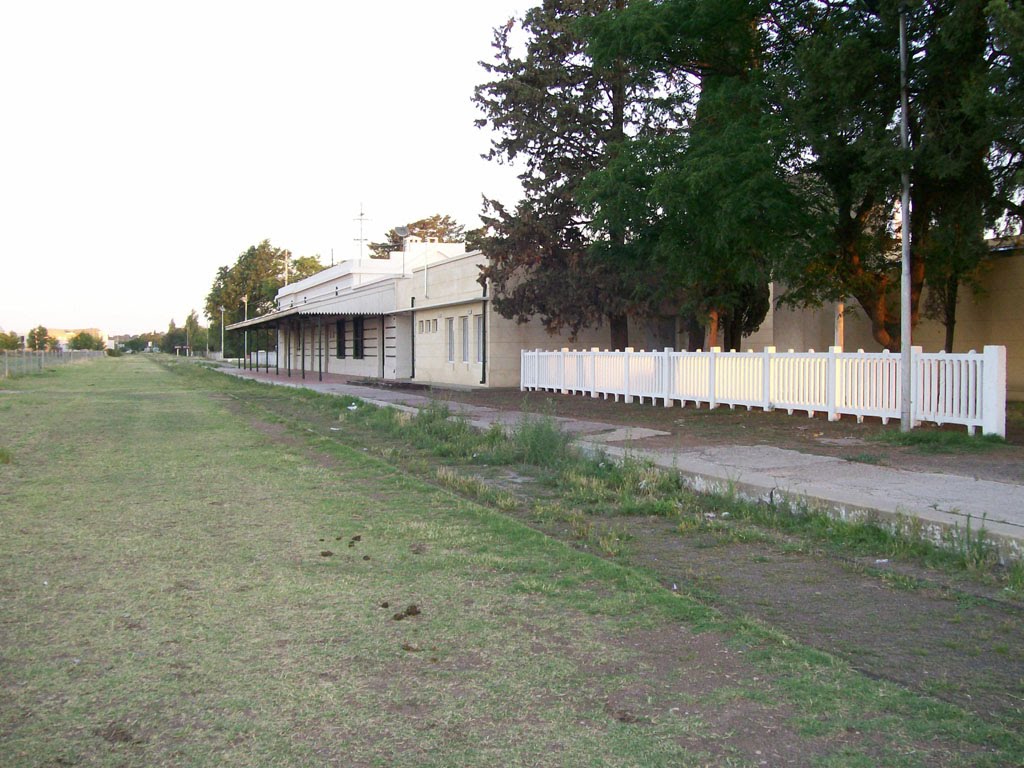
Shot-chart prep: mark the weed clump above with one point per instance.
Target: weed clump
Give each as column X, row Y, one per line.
column 930, row 441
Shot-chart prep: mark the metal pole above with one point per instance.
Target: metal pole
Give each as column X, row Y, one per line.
column 906, row 416
column 245, row 333
column 222, row 332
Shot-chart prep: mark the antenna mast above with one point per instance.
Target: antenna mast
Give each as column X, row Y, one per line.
column 360, row 241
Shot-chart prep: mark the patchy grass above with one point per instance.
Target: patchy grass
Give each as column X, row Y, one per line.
column 205, row 586
column 925, row 440
column 6, row 457
column 865, row 458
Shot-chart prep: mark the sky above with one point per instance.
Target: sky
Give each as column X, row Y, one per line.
column 145, row 144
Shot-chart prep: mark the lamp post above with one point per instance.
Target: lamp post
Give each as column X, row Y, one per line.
column 221, row 331
column 245, row 333
column 906, row 415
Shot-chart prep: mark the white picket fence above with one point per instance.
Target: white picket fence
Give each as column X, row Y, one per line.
column 968, row 389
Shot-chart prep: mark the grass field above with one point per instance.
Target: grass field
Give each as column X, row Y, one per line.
column 186, row 582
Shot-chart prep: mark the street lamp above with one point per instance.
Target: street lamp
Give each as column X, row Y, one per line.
column 906, row 415
column 245, row 333
column 221, row 331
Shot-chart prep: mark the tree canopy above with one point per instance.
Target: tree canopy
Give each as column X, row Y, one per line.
column 39, row 339
column 10, row 340
column 85, row 340
column 554, row 110
column 257, row 274
column 788, row 166
column 444, row 229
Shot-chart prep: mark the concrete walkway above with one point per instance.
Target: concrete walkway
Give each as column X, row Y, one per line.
column 847, row 489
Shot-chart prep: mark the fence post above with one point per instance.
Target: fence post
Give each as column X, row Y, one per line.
column 832, row 383
column 593, row 370
column 669, row 374
column 915, row 383
column 561, row 371
column 522, row 369
column 766, row 380
column 712, row 390
column 627, row 357
column 993, row 393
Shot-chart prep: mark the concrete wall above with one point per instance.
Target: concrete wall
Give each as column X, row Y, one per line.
column 450, row 297
column 994, row 316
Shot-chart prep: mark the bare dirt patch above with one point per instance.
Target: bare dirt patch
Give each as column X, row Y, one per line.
column 936, row 635
column 949, row 638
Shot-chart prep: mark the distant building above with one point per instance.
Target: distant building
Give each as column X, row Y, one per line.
column 64, row 335
column 420, row 315
column 423, row 316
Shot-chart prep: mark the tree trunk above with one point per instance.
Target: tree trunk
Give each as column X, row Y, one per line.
column 694, row 333
column 712, row 329
column 952, row 288
column 619, row 325
column 733, row 332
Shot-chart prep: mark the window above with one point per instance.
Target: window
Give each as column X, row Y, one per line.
column 478, row 320
column 339, row 329
column 450, row 323
column 419, row 327
column 357, row 337
column 434, row 329
column 465, row 339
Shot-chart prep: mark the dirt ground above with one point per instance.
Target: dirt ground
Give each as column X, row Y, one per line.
column 692, row 427
column 952, row 637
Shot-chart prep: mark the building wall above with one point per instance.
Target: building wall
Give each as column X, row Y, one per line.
column 320, row 349
column 449, row 359
column 508, row 338
column 994, row 316
column 451, row 294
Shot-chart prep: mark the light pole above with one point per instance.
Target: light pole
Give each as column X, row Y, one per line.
column 221, row 331
column 245, row 333
column 906, row 415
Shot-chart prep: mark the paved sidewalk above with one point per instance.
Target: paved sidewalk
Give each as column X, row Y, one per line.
column 844, row 488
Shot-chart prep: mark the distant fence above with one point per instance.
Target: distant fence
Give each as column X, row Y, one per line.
column 968, row 389
column 21, row 362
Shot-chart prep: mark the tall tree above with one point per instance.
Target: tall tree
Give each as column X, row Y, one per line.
column 444, row 229
column 10, row 340
column 85, row 340
column 706, row 200
column 257, row 274
column 553, row 110
column 790, row 164
column 39, row 339
column 842, row 96
column 174, row 340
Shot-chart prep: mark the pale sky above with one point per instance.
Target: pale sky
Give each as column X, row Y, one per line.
column 144, row 144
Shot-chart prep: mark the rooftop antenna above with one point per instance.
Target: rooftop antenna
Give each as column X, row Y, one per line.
column 402, row 232
column 332, row 257
column 361, row 241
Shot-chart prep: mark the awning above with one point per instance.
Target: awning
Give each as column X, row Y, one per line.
column 375, row 300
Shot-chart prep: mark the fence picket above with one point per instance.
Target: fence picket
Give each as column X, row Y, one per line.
column 967, row 389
